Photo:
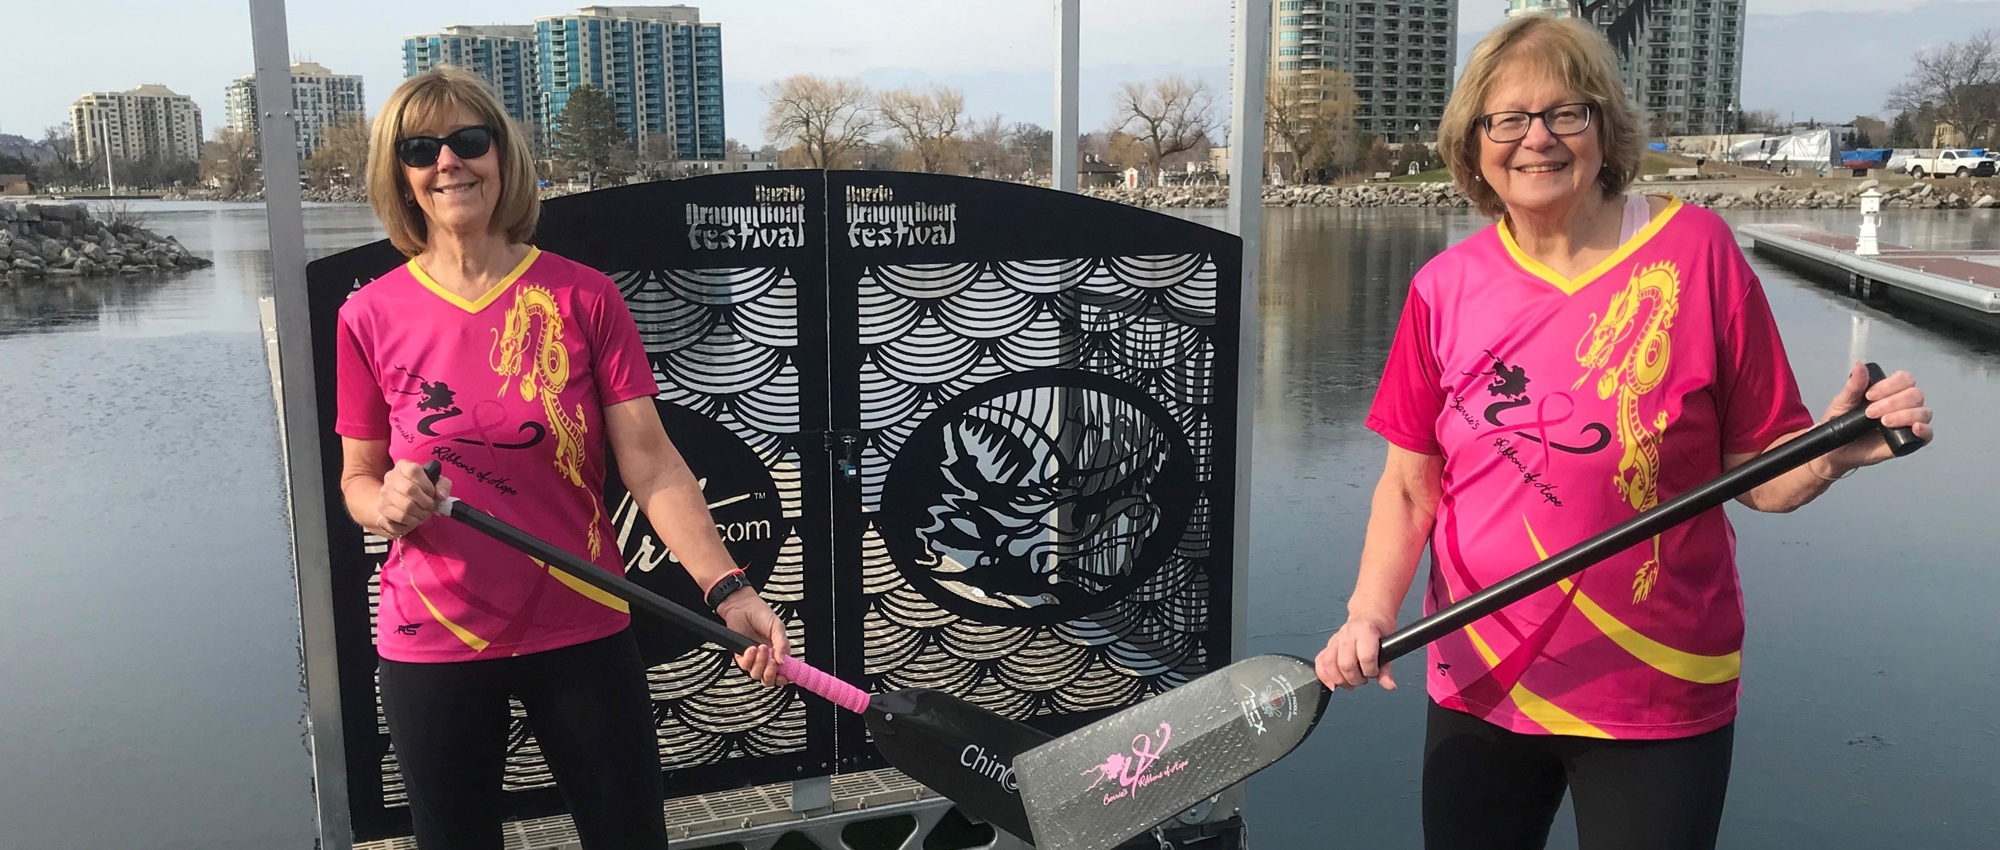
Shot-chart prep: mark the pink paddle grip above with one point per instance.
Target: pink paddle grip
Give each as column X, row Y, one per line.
column 838, row 692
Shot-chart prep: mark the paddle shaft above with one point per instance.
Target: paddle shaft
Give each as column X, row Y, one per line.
column 804, row 675
column 1823, row 438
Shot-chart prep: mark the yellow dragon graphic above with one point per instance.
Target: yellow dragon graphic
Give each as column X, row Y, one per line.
column 1645, row 308
column 547, row 375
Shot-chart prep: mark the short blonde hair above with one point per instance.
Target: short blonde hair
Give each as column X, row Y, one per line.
column 426, row 100
column 1569, row 51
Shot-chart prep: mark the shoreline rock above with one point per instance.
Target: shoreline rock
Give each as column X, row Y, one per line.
column 1447, row 196
column 39, row 241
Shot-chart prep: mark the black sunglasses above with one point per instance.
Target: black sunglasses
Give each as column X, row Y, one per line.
column 465, row 143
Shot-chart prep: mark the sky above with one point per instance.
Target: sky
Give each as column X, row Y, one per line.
column 999, row 51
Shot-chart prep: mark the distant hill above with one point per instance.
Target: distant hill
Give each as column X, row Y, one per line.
column 24, row 148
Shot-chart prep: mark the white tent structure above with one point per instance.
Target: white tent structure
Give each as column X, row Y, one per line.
column 1807, row 148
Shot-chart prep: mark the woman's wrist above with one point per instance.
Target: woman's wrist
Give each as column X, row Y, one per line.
column 1825, row 469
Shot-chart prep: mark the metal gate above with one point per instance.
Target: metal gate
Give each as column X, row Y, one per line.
column 965, row 435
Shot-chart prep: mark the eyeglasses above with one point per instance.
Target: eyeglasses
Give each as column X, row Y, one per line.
column 1566, row 119
column 465, row 143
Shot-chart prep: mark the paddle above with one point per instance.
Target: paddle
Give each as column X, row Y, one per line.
column 1097, row 787
column 955, row 748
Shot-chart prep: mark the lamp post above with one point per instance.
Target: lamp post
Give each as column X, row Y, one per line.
column 1871, row 208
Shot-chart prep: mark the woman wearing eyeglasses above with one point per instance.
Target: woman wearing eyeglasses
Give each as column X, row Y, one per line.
column 1590, row 355
column 513, row 367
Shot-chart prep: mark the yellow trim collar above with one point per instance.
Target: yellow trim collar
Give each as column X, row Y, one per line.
column 1570, row 286
column 491, row 295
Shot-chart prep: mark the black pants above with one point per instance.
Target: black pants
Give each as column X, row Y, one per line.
column 590, row 711
column 1491, row 789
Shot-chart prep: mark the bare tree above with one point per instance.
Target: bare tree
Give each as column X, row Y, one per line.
column 821, row 118
column 229, row 161
column 342, row 158
column 1312, row 123
column 1955, row 84
column 983, row 146
column 927, row 121
column 1168, row 115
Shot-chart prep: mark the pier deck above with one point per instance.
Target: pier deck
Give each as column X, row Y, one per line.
column 1963, row 286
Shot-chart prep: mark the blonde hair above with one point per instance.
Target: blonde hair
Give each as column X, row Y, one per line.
column 1572, row 53
column 426, row 100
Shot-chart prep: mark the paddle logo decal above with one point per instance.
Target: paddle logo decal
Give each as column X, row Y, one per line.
column 1278, row 701
column 1039, row 498
column 1134, row 770
column 989, row 765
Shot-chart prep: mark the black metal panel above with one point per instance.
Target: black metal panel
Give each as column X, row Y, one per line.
column 725, row 277
column 1043, row 388
column 913, row 399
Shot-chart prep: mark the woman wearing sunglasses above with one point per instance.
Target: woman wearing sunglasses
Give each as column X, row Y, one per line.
column 1590, row 355
column 514, row 367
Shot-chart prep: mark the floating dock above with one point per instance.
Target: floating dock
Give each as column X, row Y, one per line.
column 1963, row 286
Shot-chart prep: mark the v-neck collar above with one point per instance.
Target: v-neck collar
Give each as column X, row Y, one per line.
column 491, row 295
column 1570, row 286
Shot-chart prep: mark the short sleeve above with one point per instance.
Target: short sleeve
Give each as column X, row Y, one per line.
column 1411, row 396
column 362, row 413
column 1757, row 395
column 622, row 370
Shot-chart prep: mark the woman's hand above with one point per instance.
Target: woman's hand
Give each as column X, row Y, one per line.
column 407, row 499
column 1349, row 659
column 746, row 614
column 1895, row 401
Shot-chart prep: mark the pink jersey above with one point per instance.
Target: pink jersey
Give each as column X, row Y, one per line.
column 508, row 392
column 1563, row 407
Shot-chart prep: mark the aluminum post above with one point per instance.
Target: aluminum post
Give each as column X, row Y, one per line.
column 278, row 127
column 1062, row 161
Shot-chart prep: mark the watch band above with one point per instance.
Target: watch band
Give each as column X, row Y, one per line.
column 731, row 582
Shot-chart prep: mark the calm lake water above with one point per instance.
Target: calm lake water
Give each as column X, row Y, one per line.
column 150, row 693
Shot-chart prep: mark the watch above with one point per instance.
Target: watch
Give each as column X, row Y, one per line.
column 728, row 584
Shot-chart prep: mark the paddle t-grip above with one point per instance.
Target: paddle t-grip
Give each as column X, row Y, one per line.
column 1902, row 441
column 802, row 674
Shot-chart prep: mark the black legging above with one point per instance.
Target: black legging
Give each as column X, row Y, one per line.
column 589, row 709
column 1491, row 789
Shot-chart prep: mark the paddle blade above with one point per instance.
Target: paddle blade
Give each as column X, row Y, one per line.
column 1099, row 786
column 957, row 749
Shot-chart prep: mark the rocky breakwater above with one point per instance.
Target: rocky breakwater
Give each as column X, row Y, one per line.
column 40, row 241
column 1917, row 196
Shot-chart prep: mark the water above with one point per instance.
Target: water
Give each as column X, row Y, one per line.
column 152, row 697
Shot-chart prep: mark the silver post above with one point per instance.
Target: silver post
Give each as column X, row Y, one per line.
column 1062, row 161
column 110, row 185
column 285, row 215
column 1246, row 215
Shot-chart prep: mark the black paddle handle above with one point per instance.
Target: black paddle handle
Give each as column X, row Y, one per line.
column 1823, row 438
column 1902, row 441
column 596, row 576
column 804, row 675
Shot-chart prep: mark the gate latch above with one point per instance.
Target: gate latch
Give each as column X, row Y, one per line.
column 845, row 443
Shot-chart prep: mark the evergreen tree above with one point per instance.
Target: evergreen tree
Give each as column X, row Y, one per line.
column 587, row 137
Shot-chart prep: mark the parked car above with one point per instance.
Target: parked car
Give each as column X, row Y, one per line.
column 1950, row 163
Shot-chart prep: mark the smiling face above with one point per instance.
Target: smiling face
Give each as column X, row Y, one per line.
column 455, row 194
column 1541, row 172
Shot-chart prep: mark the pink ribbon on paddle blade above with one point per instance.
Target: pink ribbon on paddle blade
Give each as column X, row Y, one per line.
column 834, row 690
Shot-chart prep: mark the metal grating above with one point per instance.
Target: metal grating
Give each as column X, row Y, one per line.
column 742, row 815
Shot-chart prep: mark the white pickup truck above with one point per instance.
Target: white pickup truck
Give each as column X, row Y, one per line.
column 1949, row 163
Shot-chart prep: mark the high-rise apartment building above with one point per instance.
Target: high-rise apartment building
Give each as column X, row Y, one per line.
column 149, row 122
column 1400, row 55
column 661, row 66
column 504, row 55
column 1686, row 67
column 320, row 99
